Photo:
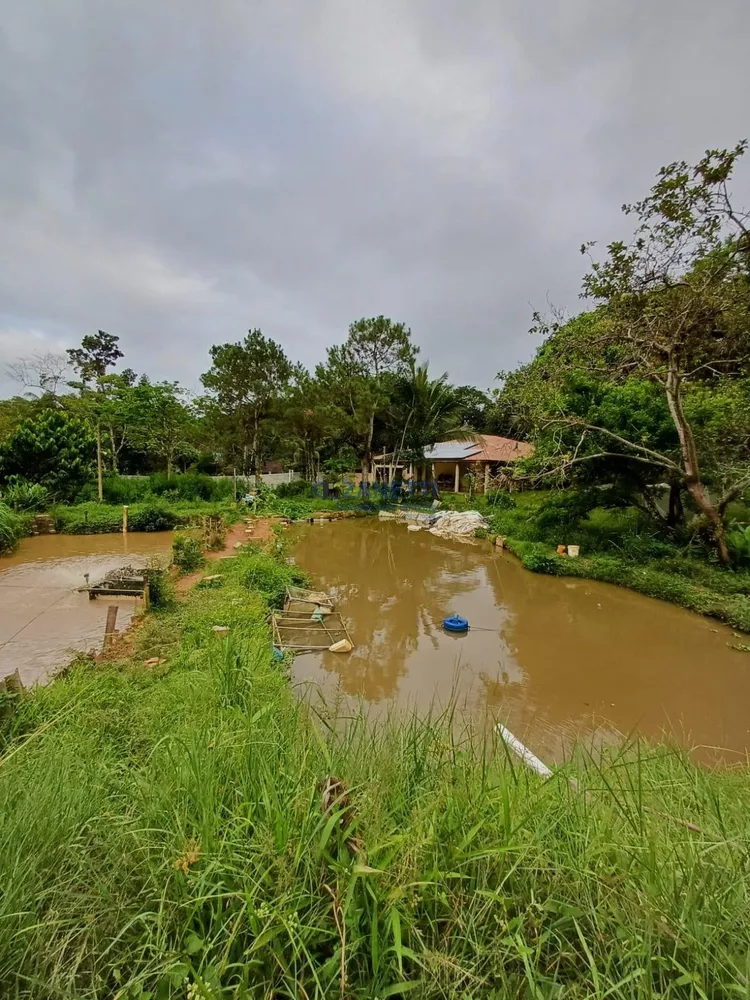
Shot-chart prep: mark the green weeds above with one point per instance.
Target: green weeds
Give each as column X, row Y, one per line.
column 187, row 552
column 10, row 528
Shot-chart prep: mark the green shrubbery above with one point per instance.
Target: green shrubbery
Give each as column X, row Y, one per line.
column 270, row 577
column 499, row 500
column 182, row 486
column 738, row 541
column 95, row 518
column 153, row 514
column 161, row 587
column 10, row 528
column 297, row 488
column 22, row 495
column 187, row 552
column 54, row 449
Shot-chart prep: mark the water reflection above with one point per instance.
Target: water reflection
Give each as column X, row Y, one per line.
column 554, row 658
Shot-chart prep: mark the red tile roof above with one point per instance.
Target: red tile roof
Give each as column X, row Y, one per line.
column 491, row 448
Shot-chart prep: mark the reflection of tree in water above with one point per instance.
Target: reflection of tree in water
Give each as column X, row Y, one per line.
column 392, row 586
column 569, row 657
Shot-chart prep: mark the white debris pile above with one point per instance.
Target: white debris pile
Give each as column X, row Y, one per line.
column 457, row 524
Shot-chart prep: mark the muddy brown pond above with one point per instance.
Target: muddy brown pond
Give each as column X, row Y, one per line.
column 43, row 617
column 556, row 660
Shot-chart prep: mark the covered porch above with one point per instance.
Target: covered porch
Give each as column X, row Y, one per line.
column 487, row 458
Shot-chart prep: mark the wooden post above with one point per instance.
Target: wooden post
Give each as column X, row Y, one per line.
column 486, row 476
column 458, row 478
column 146, row 595
column 109, row 628
column 124, row 519
column 99, row 473
column 234, row 481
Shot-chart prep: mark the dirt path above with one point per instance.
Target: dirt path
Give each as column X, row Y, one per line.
column 259, row 530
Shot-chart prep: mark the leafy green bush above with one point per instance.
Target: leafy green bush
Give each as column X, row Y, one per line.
column 297, row 488
column 738, row 541
column 187, row 552
column 270, row 578
column 563, row 509
column 161, row 588
column 20, row 494
column 53, row 449
column 539, row 560
column 10, row 528
column 641, row 547
column 152, row 517
column 190, row 486
column 500, row 500
column 88, row 519
column 123, row 489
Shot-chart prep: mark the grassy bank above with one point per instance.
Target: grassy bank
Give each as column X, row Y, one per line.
column 164, row 836
column 150, row 515
column 167, row 509
column 11, row 528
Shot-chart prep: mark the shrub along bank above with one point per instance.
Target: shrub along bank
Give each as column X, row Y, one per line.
column 11, row 528
column 151, row 515
column 177, row 824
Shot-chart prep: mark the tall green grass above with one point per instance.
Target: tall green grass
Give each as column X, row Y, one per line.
column 164, row 836
column 10, row 528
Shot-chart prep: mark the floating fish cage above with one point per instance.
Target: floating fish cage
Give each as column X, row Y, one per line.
column 123, row 582
column 305, row 633
column 307, row 601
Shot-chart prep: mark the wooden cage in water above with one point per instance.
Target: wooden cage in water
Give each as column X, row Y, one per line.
column 303, row 633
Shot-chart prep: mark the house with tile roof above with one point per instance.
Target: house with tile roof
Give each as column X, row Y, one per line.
column 447, row 463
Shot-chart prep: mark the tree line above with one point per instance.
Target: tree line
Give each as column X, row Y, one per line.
column 78, row 412
column 646, row 390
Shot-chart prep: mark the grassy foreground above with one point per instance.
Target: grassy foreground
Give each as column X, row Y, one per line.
column 164, row 836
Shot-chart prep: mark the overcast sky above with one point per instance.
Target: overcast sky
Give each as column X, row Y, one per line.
column 176, row 172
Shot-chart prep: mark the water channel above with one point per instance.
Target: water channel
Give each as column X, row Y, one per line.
column 44, row 619
column 557, row 660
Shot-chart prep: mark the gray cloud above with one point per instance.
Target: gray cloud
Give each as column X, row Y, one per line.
column 178, row 172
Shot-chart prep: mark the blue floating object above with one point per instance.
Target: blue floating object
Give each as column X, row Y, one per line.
column 455, row 623
column 277, row 654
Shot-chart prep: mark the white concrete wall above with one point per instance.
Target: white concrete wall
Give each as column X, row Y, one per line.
column 270, row 478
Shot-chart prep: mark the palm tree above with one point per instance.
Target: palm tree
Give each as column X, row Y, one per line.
column 425, row 411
